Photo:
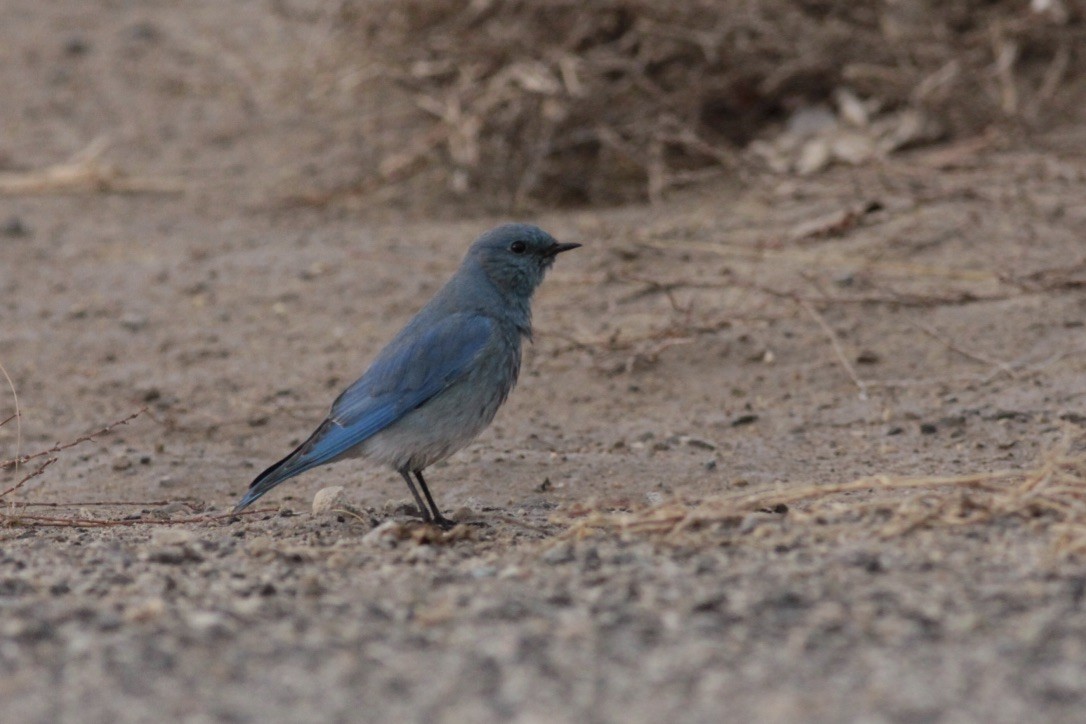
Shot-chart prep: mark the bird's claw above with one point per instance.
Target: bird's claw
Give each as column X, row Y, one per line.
column 442, row 522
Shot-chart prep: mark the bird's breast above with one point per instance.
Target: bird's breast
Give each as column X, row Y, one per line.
column 454, row 417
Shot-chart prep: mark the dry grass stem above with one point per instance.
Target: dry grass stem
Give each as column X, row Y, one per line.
column 952, row 345
column 22, row 520
column 84, row 173
column 1050, row 497
column 823, row 259
column 19, row 460
column 838, row 349
column 17, row 416
column 568, row 103
column 27, row 478
column 22, row 460
column 94, row 504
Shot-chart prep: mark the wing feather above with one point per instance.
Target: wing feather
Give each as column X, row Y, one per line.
column 410, row 371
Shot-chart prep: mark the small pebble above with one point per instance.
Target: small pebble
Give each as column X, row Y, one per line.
column 174, row 555
column 143, row 31
column 173, row 508
column 76, row 45
column 209, row 622
column 173, row 537
column 145, row 611
column 328, row 499
column 463, row 513
column 384, row 535
column 421, row 554
column 14, row 227
column 558, row 554
column 753, row 520
column 133, row 322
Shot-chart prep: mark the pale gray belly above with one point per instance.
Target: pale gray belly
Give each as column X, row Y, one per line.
column 445, row 423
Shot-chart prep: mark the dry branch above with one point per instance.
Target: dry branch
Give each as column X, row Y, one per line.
column 13, row 517
column 567, row 102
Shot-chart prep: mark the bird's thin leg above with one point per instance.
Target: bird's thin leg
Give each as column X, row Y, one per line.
column 438, row 517
column 423, row 510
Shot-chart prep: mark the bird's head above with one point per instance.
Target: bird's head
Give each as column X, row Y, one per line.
column 516, row 256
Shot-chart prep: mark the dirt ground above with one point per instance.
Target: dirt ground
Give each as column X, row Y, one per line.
column 920, row 317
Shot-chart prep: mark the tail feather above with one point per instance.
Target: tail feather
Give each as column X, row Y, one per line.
column 295, row 463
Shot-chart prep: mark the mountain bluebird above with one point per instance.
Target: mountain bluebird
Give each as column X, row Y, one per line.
column 440, row 381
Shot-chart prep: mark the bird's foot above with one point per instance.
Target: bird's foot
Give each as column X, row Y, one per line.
column 442, row 522
column 429, row 519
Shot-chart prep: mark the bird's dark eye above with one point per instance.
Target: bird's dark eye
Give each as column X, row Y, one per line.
column 518, row 247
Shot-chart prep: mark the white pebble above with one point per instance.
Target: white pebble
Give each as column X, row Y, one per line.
column 328, row 499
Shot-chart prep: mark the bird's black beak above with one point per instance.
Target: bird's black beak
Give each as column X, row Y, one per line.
column 556, row 249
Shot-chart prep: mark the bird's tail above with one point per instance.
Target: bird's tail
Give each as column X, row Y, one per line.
column 302, row 459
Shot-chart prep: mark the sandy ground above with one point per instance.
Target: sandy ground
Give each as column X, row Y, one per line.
column 733, row 339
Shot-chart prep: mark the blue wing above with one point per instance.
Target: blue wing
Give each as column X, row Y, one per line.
column 412, row 369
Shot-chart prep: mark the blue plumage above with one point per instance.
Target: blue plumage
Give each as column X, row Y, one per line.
column 440, row 381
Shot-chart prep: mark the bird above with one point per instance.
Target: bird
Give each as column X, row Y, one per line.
column 442, row 378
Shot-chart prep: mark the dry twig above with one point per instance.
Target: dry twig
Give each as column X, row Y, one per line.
column 625, row 99
column 16, row 461
column 15, row 415
column 838, row 350
column 84, row 173
column 13, row 520
column 1050, row 495
column 27, row 478
column 952, row 345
